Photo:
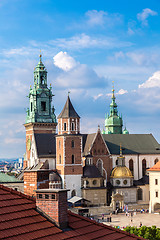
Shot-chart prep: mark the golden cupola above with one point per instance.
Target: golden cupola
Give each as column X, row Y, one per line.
column 121, row 172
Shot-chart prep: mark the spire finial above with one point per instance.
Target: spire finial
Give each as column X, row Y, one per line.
column 120, row 149
column 68, row 93
column 113, row 90
column 40, row 55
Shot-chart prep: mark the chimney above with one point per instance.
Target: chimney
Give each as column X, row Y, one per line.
column 53, row 203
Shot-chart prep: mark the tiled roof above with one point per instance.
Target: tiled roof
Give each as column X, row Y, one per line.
column 68, row 110
column 20, row 220
column 156, row 167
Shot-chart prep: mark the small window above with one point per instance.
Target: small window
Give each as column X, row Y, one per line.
column 43, row 106
column 65, row 126
column 31, row 106
column 59, row 144
column 72, row 144
column 117, row 162
column 139, row 194
column 39, row 195
column 118, row 182
column 46, row 196
column 156, row 194
column 60, row 159
column 156, row 181
column 73, row 159
column 72, row 126
column 53, row 196
column 94, row 182
column 125, row 182
column 16, row 189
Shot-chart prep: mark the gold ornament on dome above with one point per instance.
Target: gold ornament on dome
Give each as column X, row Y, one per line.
column 121, row 172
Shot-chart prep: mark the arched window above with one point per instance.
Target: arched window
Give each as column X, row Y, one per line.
column 59, row 144
column 100, row 165
column 73, row 159
column 156, row 160
column 143, row 167
column 72, row 143
column 139, row 194
column 59, row 158
column 65, row 126
column 72, row 126
column 131, row 168
column 73, row 193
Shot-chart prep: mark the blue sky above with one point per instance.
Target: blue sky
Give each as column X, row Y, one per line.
column 85, row 46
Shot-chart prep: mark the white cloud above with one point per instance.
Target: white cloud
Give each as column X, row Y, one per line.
column 74, row 74
column 153, row 81
column 96, row 17
column 64, row 61
column 98, row 96
column 145, row 14
column 121, row 92
column 85, row 41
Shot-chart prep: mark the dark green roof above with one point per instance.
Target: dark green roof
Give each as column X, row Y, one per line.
column 6, row 178
column 132, row 143
column 68, row 110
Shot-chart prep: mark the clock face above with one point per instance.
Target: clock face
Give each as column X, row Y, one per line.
column 29, row 144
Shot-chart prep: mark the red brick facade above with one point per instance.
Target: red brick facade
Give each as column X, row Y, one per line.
column 54, row 203
column 34, row 180
column 68, row 146
column 100, row 151
column 68, row 125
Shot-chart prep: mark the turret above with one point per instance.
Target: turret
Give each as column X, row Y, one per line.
column 113, row 121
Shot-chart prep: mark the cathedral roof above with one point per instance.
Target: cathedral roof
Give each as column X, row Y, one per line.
column 68, row 110
column 45, row 144
column 91, row 171
column 132, row 143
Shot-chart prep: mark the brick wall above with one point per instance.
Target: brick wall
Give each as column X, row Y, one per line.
column 100, row 151
column 55, row 208
column 30, row 183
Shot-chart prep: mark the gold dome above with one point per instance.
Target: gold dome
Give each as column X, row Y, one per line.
column 121, row 172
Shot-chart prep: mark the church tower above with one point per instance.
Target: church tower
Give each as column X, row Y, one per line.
column 69, row 149
column 113, row 121
column 40, row 114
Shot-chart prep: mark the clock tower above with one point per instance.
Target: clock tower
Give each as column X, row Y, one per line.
column 40, row 114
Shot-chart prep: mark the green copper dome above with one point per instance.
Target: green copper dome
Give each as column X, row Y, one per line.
column 125, row 131
column 113, row 121
column 40, row 97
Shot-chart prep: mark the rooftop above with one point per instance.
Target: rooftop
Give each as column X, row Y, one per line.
column 19, row 219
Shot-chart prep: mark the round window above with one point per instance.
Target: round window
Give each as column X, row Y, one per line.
column 94, row 182
column 118, row 182
column 87, row 182
column 125, row 182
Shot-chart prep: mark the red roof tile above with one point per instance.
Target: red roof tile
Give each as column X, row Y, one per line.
column 156, row 167
column 20, row 220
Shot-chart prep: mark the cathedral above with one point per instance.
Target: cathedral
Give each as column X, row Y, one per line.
column 99, row 167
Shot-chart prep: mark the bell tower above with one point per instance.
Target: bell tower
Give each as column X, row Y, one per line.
column 69, row 149
column 40, row 114
column 113, row 121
